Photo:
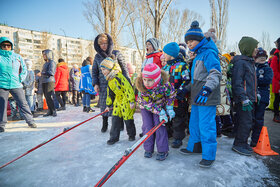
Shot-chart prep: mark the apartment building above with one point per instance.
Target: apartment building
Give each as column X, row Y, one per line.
column 29, row 44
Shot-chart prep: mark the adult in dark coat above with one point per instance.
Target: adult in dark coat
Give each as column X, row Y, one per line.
column 103, row 45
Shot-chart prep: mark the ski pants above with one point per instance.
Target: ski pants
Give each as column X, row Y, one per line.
column 19, row 96
column 203, row 129
column 116, row 127
column 244, row 125
column 179, row 122
column 259, row 120
column 48, row 90
column 160, row 137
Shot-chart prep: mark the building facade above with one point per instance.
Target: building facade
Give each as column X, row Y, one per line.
column 29, row 44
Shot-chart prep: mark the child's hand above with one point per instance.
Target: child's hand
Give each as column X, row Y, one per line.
column 132, row 105
column 170, row 112
column 163, row 116
column 107, row 108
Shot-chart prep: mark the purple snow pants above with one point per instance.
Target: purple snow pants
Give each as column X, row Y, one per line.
column 160, row 136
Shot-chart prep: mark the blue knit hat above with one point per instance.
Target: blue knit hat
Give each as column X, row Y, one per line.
column 172, row 49
column 194, row 33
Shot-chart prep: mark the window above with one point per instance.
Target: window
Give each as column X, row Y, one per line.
column 37, row 41
column 7, row 32
column 29, row 40
column 0, row 31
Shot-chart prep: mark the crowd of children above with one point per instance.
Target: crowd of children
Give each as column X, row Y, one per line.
column 202, row 93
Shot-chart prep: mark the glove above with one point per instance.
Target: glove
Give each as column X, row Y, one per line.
column 170, row 112
column 259, row 98
column 247, row 105
column 181, row 93
column 162, row 116
column 203, row 95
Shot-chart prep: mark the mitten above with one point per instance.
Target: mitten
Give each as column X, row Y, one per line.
column 170, row 112
column 163, row 116
column 247, row 105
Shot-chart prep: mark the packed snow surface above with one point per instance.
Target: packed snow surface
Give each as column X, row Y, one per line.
column 81, row 157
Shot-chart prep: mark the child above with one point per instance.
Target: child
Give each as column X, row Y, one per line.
column 205, row 95
column 264, row 79
column 244, row 90
column 179, row 78
column 28, row 85
column 156, row 97
column 153, row 53
column 120, row 96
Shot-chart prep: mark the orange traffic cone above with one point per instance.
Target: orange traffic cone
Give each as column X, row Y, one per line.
column 263, row 145
column 45, row 106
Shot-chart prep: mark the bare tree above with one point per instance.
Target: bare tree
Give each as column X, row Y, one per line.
column 139, row 25
column 219, row 19
column 157, row 9
column 175, row 24
column 108, row 16
column 265, row 42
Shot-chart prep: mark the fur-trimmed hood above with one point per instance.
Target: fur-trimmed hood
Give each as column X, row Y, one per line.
column 108, row 52
column 140, row 85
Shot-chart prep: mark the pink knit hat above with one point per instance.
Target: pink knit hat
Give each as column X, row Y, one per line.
column 152, row 71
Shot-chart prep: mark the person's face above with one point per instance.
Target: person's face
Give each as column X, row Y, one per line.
column 255, row 52
column 149, row 47
column 163, row 62
column 192, row 55
column 104, row 45
column 105, row 71
column 39, row 74
column 167, row 57
column 45, row 57
column 6, row 46
column 148, row 82
column 192, row 43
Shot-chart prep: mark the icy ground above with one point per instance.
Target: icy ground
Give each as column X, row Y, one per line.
column 81, row 157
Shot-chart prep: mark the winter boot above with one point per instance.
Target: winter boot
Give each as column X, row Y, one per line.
column 241, row 150
column 84, row 109
column 105, row 124
column 206, row 163
column 177, row 143
column 197, row 149
column 148, row 154
column 49, row 113
column 131, row 138
column 32, row 125
column 161, row 156
column 112, row 141
column 276, row 119
column 253, row 144
column 2, row 129
column 61, row 108
column 54, row 113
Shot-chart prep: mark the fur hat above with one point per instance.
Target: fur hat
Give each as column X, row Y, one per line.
column 172, row 49
column 152, row 71
column 211, row 33
column 261, row 53
column 194, row 33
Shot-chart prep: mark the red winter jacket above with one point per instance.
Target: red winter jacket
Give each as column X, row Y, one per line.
column 276, row 72
column 153, row 58
column 61, row 77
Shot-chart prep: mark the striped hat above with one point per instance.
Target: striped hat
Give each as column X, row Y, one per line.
column 108, row 63
column 152, row 71
column 194, row 33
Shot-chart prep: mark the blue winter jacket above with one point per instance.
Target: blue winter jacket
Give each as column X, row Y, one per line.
column 206, row 71
column 49, row 68
column 86, row 80
column 13, row 70
column 264, row 79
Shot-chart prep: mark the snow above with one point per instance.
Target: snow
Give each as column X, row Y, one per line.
column 82, row 157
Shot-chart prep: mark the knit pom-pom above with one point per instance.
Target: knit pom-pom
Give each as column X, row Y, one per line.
column 195, row 24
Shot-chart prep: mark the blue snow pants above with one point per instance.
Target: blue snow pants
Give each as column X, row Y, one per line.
column 202, row 128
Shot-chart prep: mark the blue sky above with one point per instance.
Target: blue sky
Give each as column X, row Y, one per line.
column 246, row 17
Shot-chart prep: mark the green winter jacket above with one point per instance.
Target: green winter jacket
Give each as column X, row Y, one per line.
column 13, row 70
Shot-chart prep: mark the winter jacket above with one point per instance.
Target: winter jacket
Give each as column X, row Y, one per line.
column 119, row 95
column 206, row 71
column 244, row 81
column 38, row 84
column 85, row 85
column 61, row 77
column 264, row 78
column 49, row 67
column 275, row 65
column 158, row 98
column 28, row 83
column 74, row 79
column 152, row 58
column 179, row 75
column 223, row 108
column 13, row 70
column 97, row 76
